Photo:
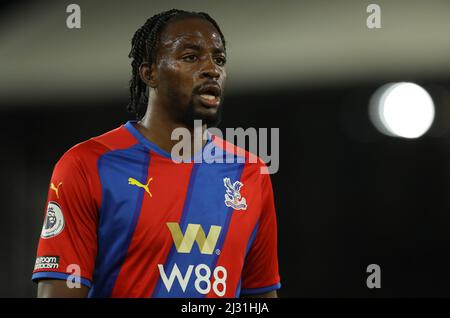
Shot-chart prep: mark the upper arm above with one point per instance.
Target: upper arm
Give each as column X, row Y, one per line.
column 260, row 272
column 69, row 235
column 49, row 288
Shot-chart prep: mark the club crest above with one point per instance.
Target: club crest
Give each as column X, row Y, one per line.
column 233, row 196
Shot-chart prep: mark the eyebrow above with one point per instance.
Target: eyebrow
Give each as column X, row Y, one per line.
column 198, row 48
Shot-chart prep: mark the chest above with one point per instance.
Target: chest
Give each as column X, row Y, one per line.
column 161, row 201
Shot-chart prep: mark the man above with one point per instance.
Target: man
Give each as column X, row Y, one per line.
column 131, row 222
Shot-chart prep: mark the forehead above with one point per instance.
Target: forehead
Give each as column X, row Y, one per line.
column 190, row 30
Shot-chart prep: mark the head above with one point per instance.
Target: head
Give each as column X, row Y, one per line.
column 51, row 219
column 179, row 62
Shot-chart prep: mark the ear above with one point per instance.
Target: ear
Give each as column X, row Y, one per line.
column 148, row 74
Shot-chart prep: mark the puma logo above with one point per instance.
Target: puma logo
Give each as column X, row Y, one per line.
column 52, row 187
column 133, row 181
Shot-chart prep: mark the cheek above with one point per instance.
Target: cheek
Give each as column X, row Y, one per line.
column 224, row 78
column 176, row 78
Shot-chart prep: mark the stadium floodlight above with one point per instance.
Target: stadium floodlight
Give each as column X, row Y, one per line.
column 402, row 110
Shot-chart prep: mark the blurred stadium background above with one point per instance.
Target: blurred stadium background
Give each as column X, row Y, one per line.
column 347, row 196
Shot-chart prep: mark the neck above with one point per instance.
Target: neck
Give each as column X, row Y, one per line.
column 157, row 126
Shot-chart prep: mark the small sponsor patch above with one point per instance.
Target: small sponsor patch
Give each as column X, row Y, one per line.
column 54, row 221
column 47, row 262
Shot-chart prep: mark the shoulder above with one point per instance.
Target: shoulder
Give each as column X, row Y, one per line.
column 88, row 152
column 251, row 160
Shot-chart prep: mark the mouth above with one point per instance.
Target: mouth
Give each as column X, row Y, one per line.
column 210, row 95
column 210, row 100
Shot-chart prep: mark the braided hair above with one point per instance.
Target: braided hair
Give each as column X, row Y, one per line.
column 143, row 49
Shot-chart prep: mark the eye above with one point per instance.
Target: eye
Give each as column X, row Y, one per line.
column 190, row 58
column 221, row 61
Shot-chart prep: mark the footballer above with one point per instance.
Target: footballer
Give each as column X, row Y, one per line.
column 123, row 219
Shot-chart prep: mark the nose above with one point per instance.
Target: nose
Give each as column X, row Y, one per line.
column 210, row 69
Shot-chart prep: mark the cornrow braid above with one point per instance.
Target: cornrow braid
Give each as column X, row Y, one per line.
column 143, row 49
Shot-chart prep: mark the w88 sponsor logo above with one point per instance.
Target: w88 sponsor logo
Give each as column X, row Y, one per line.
column 202, row 273
column 206, row 245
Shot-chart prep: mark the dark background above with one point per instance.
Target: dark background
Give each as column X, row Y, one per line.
column 342, row 203
column 346, row 195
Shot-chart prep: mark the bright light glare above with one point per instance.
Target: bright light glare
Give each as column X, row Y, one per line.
column 402, row 110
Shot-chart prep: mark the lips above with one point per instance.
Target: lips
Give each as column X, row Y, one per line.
column 210, row 100
column 210, row 89
column 210, row 94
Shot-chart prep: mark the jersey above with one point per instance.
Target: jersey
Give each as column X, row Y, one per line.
column 126, row 220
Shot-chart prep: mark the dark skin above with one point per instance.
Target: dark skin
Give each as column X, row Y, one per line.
column 174, row 80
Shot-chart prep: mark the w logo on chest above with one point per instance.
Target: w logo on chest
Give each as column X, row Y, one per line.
column 194, row 232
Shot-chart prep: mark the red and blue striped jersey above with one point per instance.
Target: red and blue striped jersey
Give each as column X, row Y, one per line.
column 131, row 222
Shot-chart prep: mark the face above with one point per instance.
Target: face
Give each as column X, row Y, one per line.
column 51, row 219
column 190, row 71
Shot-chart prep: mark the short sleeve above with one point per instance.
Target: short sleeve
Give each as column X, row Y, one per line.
column 68, row 241
column 260, row 273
